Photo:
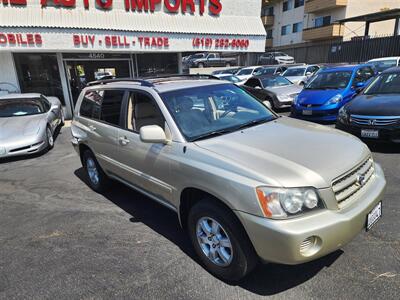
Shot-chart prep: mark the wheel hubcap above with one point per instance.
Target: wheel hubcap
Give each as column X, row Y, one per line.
column 92, row 171
column 50, row 138
column 214, row 242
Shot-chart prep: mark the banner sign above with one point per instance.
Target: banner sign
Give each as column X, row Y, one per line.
column 213, row 7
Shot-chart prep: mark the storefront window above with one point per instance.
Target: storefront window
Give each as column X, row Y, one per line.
column 154, row 64
column 39, row 73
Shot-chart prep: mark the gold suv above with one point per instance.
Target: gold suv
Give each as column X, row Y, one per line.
column 247, row 184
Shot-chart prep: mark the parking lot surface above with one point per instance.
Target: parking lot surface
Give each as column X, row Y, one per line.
column 59, row 239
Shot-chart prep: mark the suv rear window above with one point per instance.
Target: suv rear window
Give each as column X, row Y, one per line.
column 90, row 107
column 111, row 106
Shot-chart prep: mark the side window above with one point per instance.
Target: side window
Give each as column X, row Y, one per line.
column 143, row 111
column 363, row 74
column 253, row 82
column 90, row 107
column 111, row 106
column 46, row 103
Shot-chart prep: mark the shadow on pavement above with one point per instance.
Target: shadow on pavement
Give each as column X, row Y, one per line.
column 268, row 279
column 271, row 279
column 57, row 132
column 381, row 147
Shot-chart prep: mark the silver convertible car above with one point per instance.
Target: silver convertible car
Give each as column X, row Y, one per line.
column 28, row 123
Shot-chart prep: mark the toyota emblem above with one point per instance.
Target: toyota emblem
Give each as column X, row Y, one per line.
column 361, row 180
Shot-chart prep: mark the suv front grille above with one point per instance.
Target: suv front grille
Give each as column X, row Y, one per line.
column 352, row 182
column 375, row 120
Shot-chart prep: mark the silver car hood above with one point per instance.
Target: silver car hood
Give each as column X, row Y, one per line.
column 290, row 153
column 17, row 127
column 285, row 90
column 296, row 79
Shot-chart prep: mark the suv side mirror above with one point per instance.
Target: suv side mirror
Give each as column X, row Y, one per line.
column 309, row 73
column 153, row 134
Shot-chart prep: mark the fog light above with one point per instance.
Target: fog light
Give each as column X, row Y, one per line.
column 310, row 246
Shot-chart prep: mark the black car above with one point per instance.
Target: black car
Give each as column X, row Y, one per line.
column 375, row 113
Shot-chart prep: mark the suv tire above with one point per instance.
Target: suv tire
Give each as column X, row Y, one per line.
column 98, row 180
column 229, row 240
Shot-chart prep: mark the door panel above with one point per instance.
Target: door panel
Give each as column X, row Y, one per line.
column 144, row 165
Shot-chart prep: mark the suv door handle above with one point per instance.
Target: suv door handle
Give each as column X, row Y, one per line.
column 92, row 128
column 124, row 141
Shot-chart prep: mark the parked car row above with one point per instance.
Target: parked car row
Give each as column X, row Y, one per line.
column 235, row 172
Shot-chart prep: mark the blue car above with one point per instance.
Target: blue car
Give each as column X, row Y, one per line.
column 328, row 90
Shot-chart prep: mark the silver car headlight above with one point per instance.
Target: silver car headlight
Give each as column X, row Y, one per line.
column 296, row 99
column 281, row 203
column 284, row 98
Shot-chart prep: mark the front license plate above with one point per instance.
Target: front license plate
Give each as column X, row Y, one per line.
column 307, row 112
column 374, row 216
column 368, row 133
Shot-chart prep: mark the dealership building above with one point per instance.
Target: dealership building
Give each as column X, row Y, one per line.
column 55, row 47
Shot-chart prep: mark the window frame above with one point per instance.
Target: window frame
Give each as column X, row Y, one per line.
column 99, row 120
column 286, row 32
column 298, row 3
column 125, row 108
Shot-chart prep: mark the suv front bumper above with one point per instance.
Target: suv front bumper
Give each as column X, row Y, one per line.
column 280, row 241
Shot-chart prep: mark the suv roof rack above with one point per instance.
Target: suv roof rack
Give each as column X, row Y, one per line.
column 107, row 81
column 148, row 80
column 183, row 76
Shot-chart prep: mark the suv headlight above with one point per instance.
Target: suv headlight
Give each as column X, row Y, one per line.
column 335, row 99
column 281, row 203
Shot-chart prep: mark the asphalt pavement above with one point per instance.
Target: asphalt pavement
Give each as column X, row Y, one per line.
column 61, row 240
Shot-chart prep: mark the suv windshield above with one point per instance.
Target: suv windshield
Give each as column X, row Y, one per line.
column 295, row 72
column 207, row 111
column 275, row 81
column 385, row 84
column 330, row 80
column 20, row 107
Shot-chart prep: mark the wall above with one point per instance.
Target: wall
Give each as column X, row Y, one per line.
column 361, row 7
column 289, row 17
column 8, row 72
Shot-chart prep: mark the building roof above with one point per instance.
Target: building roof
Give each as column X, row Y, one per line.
column 374, row 17
column 231, row 21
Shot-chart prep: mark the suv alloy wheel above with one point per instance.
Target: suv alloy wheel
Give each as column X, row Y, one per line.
column 97, row 179
column 220, row 241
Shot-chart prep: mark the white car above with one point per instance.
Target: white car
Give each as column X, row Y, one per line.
column 300, row 74
column 247, row 72
column 101, row 75
column 272, row 58
column 231, row 78
column 383, row 63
